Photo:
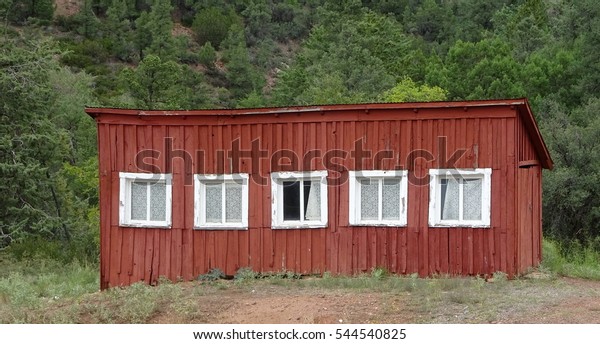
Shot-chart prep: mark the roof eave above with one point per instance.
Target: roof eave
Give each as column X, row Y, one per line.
column 536, row 136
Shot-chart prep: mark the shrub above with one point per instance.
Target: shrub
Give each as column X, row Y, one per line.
column 212, row 25
column 207, row 55
column 213, row 275
column 379, row 273
column 245, row 274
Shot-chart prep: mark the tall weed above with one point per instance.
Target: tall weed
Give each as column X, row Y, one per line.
column 571, row 260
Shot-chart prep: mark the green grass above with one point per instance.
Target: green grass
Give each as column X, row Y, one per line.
column 572, row 261
column 33, row 285
column 47, row 291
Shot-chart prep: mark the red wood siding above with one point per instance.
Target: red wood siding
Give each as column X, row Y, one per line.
column 525, row 150
column 529, row 202
column 491, row 137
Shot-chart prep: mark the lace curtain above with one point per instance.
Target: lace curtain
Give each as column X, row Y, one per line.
column 313, row 206
column 471, row 197
column 449, row 196
column 140, row 191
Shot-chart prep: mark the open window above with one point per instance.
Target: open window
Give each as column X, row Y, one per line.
column 460, row 197
column 221, row 201
column 145, row 200
column 299, row 199
column 378, row 198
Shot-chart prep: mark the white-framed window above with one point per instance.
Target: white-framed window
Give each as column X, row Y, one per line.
column 378, row 198
column 145, row 200
column 299, row 199
column 221, row 201
column 460, row 197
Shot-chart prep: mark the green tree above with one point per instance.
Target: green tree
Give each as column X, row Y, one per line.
column 524, row 27
column 571, row 206
column 31, row 147
column 359, row 56
column 153, row 84
column 212, row 25
column 42, row 9
column 192, row 92
column 161, row 29
column 258, row 21
column 75, row 90
column 589, row 12
column 154, row 31
column 143, row 34
column 240, row 73
column 18, row 11
column 90, row 25
column 408, row 91
column 77, row 179
column 118, row 28
column 430, row 20
column 481, row 70
column 253, row 100
column 475, row 19
column 207, row 55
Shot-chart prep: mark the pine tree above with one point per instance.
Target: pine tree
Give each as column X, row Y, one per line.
column 242, row 76
column 89, row 22
column 154, row 31
column 153, row 82
column 42, row 9
column 161, row 29
column 118, row 27
column 32, row 148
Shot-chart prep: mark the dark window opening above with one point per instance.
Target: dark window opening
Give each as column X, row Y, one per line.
column 292, row 208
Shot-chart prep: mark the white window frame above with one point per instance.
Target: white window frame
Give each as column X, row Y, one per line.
column 126, row 180
column 277, row 179
column 380, row 176
column 435, row 197
column 200, row 181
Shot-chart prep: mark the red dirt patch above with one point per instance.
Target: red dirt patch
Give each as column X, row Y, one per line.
column 323, row 307
column 180, row 30
column 66, row 8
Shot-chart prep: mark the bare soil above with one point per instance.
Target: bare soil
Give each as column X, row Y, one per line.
column 558, row 301
column 66, row 8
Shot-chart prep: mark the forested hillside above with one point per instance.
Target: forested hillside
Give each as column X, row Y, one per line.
column 57, row 56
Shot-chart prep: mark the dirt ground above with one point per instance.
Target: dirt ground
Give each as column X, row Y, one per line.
column 66, row 7
column 559, row 301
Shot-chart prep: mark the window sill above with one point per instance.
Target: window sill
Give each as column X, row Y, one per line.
column 146, row 225
column 378, row 224
column 299, row 226
column 217, row 227
column 459, row 225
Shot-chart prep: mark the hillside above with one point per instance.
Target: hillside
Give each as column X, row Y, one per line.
column 58, row 56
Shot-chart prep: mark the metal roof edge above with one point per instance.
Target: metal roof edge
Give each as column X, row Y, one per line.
column 93, row 111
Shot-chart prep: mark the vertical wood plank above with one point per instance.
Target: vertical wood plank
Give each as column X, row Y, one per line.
column 444, row 233
column 105, row 202
column 159, row 136
column 187, row 240
column 116, row 140
column 332, row 247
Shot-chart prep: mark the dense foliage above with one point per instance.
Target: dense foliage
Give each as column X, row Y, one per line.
column 185, row 54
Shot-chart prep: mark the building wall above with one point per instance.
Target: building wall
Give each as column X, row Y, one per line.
column 487, row 134
column 529, row 202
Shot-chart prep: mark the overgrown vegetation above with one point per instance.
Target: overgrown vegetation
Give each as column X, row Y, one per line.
column 238, row 53
column 571, row 260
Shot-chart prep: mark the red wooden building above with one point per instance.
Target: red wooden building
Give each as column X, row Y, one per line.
column 427, row 188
